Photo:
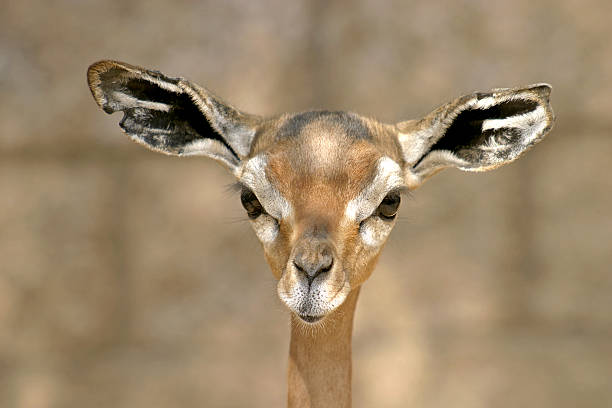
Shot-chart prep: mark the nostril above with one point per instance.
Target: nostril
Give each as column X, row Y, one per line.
column 298, row 267
column 312, row 271
column 326, row 268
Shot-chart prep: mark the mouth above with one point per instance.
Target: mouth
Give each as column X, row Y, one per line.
column 311, row 303
column 310, row 319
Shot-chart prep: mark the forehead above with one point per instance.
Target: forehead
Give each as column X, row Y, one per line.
column 343, row 129
column 323, row 143
column 321, row 160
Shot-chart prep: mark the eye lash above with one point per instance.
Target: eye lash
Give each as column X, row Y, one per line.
column 402, row 191
column 234, row 188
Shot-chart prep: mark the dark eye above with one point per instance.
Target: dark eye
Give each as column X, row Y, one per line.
column 251, row 204
column 387, row 209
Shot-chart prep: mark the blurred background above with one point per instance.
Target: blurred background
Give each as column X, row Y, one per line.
column 131, row 279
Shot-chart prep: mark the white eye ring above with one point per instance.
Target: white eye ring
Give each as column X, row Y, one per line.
column 374, row 230
column 266, row 228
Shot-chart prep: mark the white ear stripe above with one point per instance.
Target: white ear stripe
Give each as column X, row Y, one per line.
column 127, row 101
column 531, row 123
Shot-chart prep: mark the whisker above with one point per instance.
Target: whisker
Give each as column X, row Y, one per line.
column 235, row 220
column 234, row 188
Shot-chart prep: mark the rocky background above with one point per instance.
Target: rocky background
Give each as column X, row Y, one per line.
column 131, row 279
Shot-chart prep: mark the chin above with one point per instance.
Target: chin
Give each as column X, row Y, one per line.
column 308, row 308
column 311, row 319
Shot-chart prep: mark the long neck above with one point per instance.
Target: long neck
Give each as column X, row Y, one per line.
column 320, row 360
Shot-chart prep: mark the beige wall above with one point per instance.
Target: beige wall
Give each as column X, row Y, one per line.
column 129, row 279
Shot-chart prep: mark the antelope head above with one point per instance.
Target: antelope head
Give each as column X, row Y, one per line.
column 321, row 189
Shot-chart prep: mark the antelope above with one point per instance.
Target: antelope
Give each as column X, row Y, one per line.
column 321, row 188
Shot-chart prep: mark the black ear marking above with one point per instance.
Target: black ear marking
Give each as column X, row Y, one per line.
column 172, row 130
column 466, row 129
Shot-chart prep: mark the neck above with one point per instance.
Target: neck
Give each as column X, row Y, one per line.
column 320, row 359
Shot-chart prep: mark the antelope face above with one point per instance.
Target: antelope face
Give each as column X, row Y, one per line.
column 322, row 192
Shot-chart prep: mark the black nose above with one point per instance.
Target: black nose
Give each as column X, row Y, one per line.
column 313, row 260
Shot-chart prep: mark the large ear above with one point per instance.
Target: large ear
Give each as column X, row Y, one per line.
column 476, row 132
column 172, row 115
